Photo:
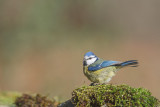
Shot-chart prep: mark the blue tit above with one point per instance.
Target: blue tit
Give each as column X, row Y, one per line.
column 100, row 71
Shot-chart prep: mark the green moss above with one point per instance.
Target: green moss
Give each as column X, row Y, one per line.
column 8, row 98
column 113, row 95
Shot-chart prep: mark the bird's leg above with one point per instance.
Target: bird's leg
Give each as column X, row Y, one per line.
column 94, row 84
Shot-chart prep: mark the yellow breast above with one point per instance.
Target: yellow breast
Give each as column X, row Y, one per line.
column 100, row 76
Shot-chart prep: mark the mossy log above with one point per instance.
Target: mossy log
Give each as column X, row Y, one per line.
column 112, row 96
column 87, row 96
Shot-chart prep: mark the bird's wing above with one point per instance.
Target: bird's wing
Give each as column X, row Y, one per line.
column 109, row 63
column 102, row 65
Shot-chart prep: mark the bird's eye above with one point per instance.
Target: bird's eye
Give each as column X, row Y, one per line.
column 89, row 58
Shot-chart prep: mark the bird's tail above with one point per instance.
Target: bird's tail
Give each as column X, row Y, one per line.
column 132, row 63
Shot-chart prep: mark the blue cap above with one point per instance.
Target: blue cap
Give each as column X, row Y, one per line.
column 89, row 54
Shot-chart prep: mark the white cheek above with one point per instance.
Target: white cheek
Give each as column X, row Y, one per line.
column 91, row 61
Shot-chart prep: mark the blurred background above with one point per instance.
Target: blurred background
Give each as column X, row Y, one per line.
column 42, row 43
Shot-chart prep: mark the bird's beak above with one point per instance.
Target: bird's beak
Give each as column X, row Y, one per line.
column 84, row 62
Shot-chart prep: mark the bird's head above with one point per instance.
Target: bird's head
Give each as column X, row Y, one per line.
column 89, row 58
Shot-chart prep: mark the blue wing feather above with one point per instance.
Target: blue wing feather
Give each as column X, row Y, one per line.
column 102, row 65
column 108, row 63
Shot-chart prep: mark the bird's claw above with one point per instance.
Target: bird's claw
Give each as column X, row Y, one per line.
column 94, row 84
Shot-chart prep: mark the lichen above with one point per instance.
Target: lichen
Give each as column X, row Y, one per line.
column 113, row 95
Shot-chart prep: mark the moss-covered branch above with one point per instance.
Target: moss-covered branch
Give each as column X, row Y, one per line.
column 87, row 96
column 113, row 95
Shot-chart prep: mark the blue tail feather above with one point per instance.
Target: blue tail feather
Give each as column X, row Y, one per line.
column 132, row 63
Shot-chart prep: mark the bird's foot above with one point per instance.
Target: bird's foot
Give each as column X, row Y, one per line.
column 94, row 84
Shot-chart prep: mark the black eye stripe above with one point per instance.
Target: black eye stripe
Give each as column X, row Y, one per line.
column 90, row 58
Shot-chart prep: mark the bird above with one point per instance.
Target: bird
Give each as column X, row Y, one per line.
column 101, row 71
